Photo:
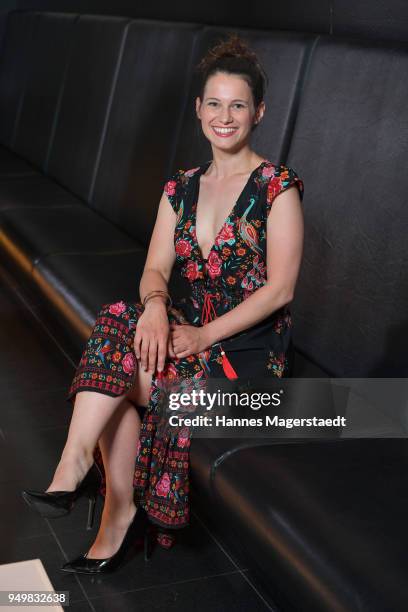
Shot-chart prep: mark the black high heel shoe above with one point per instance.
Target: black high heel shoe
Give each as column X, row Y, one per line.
column 138, row 529
column 60, row 503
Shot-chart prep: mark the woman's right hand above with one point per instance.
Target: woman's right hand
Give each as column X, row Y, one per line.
column 152, row 340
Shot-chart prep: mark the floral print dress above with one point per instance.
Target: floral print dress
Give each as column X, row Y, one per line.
column 234, row 269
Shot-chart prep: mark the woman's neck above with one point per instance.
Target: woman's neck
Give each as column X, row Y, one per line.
column 226, row 165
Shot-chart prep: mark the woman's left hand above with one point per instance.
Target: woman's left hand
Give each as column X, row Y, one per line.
column 187, row 339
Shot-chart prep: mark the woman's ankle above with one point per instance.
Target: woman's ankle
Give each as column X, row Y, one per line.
column 70, row 471
column 80, row 457
column 119, row 515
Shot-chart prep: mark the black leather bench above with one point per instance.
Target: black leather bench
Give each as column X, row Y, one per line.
column 95, row 113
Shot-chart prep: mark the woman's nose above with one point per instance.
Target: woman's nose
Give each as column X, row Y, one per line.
column 225, row 115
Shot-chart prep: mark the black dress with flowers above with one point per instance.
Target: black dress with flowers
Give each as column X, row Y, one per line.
column 234, row 269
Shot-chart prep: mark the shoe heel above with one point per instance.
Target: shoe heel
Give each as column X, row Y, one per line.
column 91, row 512
column 60, row 503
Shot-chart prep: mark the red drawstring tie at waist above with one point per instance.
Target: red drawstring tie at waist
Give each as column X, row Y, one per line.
column 209, row 313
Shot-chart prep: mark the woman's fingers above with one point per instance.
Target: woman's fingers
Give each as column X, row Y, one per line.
column 154, row 350
column 152, row 355
column 179, row 347
column 178, row 340
column 170, row 347
column 161, row 352
column 153, row 344
column 144, row 352
column 136, row 343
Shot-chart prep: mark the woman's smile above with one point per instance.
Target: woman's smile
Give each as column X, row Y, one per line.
column 224, row 132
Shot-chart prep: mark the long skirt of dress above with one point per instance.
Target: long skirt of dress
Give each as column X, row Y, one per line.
column 108, row 366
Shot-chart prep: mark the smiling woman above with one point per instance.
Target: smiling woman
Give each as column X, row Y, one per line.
column 233, row 227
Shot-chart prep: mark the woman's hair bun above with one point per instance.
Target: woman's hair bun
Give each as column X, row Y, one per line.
column 233, row 55
column 233, row 46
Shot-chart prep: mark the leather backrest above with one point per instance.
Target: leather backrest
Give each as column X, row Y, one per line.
column 89, row 85
column 350, row 147
column 46, row 68
column 3, row 21
column 143, row 124
column 14, row 61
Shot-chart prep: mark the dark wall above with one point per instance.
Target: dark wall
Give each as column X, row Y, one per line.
column 365, row 18
column 3, row 18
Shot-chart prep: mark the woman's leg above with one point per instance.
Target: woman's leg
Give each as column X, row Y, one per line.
column 118, row 448
column 118, row 444
column 91, row 414
column 119, row 422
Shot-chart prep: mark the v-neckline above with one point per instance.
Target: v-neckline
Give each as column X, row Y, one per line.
column 196, row 195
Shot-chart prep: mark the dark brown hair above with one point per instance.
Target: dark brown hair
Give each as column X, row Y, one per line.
column 234, row 56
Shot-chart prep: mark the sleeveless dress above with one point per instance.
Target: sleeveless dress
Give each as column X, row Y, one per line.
column 234, row 269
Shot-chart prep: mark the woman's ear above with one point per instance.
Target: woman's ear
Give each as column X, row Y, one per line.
column 259, row 113
column 198, row 106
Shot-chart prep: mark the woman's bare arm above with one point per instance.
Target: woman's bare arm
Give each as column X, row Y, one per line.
column 285, row 230
column 152, row 332
column 161, row 255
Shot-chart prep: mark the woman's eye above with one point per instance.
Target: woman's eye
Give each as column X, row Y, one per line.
column 236, row 105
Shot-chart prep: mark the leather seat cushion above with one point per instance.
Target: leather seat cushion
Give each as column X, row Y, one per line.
column 324, row 520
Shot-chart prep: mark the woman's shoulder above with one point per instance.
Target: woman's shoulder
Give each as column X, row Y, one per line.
column 182, row 173
column 279, row 177
column 272, row 169
column 181, row 177
column 176, row 184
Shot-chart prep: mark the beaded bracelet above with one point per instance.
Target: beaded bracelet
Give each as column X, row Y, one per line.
column 160, row 291
column 155, row 292
column 168, row 300
column 168, row 303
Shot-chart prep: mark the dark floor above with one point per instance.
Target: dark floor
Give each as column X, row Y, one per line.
column 37, row 367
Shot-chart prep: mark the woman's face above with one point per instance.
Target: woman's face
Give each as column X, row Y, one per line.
column 227, row 111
